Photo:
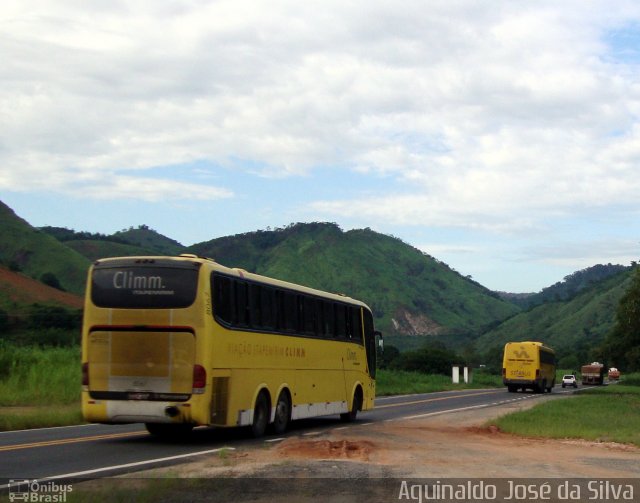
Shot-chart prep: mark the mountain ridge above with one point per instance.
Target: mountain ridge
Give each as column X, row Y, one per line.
column 415, row 297
column 401, row 284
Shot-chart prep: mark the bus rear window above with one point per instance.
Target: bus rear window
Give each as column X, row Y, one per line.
column 137, row 284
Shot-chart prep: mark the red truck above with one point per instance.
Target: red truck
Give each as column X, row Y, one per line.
column 593, row 373
column 614, row 374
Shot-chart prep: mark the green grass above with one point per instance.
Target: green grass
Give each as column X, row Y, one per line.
column 39, row 386
column 630, row 379
column 32, row 375
column 165, row 487
column 399, row 382
column 24, row 418
column 604, row 414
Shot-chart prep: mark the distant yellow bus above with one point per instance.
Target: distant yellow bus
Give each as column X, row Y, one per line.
column 529, row 365
column 176, row 342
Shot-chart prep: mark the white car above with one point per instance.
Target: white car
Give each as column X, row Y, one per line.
column 569, row 380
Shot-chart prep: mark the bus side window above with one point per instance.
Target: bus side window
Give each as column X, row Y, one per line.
column 341, row 321
column 328, row 320
column 255, row 306
column 268, row 307
column 242, row 304
column 308, row 315
column 319, row 308
column 370, row 342
column 222, row 298
column 356, row 324
column 290, row 311
column 368, row 323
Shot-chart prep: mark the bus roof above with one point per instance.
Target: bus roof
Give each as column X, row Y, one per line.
column 237, row 272
column 531, row 343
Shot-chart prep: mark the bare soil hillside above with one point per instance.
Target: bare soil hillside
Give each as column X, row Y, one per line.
column 24, row 290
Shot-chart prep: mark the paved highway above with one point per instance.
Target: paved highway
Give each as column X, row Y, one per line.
column 94, row 451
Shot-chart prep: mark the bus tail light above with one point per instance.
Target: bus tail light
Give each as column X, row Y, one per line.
column 504, row 372
column 85, row 374
column 199, row 379
column 537, row 373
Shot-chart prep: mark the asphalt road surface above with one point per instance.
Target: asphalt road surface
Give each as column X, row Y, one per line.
column 93, row 451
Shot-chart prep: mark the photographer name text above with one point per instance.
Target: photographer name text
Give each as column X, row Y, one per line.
column 478, row 490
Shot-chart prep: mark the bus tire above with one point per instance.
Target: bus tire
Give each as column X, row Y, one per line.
column 356, row 405
column 169, row 430
column 283, row 413
column 260, row 415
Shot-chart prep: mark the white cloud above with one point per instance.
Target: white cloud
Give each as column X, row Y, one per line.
column 152, row 190
column 585, row 253
column 486, row 115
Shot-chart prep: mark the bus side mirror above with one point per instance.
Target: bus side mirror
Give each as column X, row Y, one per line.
column 379, row 340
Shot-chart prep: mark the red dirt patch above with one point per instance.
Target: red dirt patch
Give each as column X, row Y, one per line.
column 22, row 289
column 326, row 449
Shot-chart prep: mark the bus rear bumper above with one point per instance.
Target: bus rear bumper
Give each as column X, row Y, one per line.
column 131, row 411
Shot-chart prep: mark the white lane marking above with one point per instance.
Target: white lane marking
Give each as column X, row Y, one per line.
column 127, row 465
column 444, row 412
column 481, row 406
column 391, row 397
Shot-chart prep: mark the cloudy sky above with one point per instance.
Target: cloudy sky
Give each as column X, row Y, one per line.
column 501, row 137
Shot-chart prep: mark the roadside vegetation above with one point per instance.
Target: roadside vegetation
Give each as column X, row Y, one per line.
column 601, row 413
column 39, row 386
column 402, row 382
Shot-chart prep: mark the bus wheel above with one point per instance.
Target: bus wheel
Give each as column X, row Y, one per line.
column 260, row 415
column 168, row 431
column 283, row 413
column 355, row 407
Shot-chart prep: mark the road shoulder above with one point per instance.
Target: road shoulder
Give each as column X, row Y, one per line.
column 450, row 445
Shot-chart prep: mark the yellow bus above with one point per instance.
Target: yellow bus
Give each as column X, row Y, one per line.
column 177, row 342
column 528, row 365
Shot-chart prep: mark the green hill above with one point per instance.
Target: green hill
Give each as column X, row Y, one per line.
column 36, row 253
column 409, row 292
column 568, row 288
column 415, row 298
column 572, row 327
column 133, row 241
column 148, row 239
column 94, row 250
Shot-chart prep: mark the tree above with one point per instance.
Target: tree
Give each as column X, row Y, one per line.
column 622, row 345
column 432, row 360
column 4, row 320
column 387, row 356
column 50, row 279
column 45, row 317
